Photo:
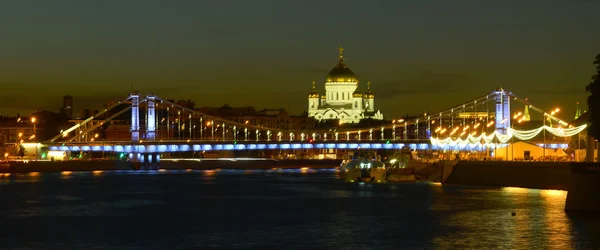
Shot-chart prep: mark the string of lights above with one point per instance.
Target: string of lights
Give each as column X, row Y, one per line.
column 486, row 140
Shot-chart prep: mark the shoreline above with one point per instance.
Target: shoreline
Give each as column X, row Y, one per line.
column 194, row 164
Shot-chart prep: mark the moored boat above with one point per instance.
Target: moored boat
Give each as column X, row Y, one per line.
column 363, row 167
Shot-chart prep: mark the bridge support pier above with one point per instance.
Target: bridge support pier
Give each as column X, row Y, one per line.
column 144, row 161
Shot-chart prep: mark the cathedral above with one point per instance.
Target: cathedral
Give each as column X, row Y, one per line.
column 342, row 99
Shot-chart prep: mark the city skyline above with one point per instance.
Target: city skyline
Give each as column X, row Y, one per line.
column 439, row 52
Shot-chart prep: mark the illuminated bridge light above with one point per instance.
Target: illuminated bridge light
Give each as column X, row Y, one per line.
column 218, row 147
column 319, row 145
column 86, row 148
column 240, row 146
column 284, row 146
column 273, row 146
column 207, row 147
column 261, row 146
column 296, row 146
column 307, row 146
column 353, row 146
column 330, row 145
column 342, row 145
column 252, row 146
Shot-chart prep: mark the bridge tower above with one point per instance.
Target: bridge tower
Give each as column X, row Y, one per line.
column 135, row 117
column 151, row 118
column 502, row 111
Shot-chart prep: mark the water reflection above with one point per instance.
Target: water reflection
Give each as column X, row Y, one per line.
column 292, row 205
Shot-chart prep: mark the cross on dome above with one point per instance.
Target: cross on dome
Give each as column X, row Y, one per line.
column 341, row 49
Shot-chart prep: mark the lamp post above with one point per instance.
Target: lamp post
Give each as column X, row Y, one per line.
column 34, row 128
column 555, row 111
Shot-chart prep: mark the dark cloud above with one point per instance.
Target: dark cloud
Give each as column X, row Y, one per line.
column 563, row 91
column 423, row 83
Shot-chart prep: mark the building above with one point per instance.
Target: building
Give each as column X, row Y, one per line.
column 67, row 107
column 342, row 100
column 268, row 118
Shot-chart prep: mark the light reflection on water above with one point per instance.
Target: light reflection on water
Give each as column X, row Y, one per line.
column 303, row 208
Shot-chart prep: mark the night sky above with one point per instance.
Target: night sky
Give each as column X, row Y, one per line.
column 423, row 55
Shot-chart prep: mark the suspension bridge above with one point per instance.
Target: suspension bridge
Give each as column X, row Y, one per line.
column 158, row 126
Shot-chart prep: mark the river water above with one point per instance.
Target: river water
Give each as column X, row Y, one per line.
column 277, row 209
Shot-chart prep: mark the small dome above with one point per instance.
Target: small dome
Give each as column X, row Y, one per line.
column 369, row 94
column 313, row 93
column 341, row 72
column 357, row 93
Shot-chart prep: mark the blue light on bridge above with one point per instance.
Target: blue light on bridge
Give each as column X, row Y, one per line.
column 272, row 146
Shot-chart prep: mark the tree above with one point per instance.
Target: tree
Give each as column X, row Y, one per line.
column 594, row 101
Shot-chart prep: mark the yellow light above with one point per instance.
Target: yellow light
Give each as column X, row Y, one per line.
column 433, row 122
column 556, row 110
column 5, row 154
column 20, row 134
column 246, row 122
column 97, row 172
column 66, row 172
column 96, row 135
column 32, row 119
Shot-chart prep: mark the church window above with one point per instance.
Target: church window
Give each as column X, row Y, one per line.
column 337, row 96
column 356, row 104
column 330, row 115
column 312, row 104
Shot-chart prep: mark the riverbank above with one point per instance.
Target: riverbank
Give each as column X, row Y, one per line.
column 539, row 175
column 107, row 165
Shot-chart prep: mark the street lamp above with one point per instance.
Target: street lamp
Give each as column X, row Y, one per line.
column 552, row 113
column 36, row 149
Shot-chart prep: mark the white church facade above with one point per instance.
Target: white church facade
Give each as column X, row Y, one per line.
column 342, row 100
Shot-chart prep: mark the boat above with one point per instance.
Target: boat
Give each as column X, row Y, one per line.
column 363, row 167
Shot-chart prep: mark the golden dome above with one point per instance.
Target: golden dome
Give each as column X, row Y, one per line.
column 313, row 93
column 341, row 72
